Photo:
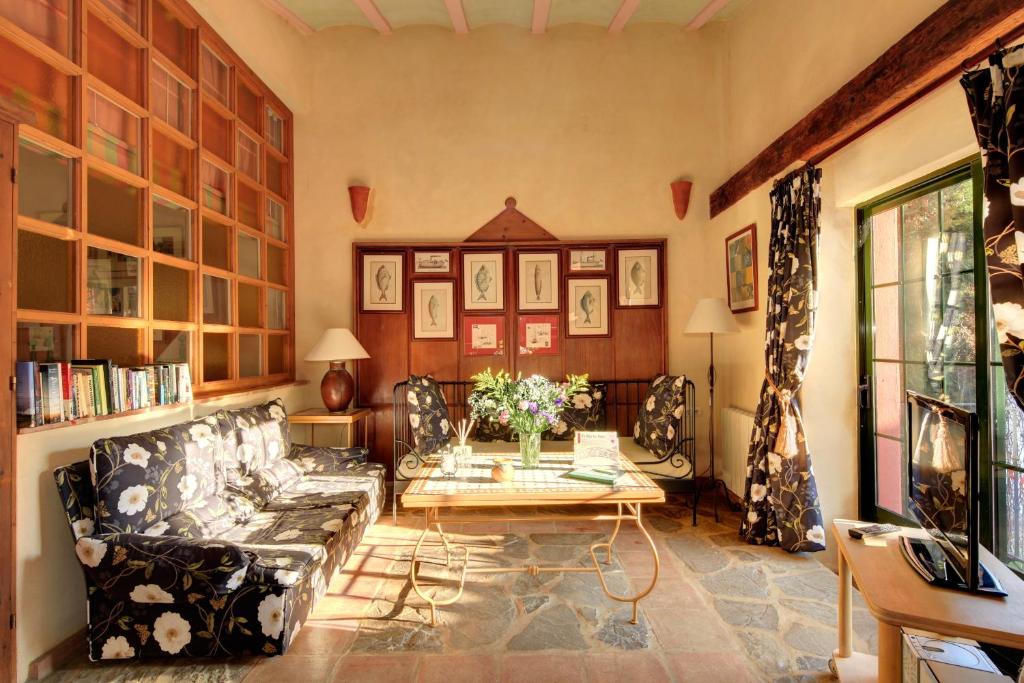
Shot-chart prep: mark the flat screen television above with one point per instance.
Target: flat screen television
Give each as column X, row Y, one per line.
column 943, row 496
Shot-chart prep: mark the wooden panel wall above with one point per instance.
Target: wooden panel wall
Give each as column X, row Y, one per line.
column 635, row 348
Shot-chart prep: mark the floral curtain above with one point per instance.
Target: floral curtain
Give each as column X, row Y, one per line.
column 780, row 496
column 995, row 97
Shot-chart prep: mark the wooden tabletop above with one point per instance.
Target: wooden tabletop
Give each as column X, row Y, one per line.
column 896, row 593
column 324, row 416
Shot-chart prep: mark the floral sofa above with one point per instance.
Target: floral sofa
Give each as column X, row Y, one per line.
column 213, row 537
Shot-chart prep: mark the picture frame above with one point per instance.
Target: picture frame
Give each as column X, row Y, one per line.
column 437, row 262
column 382, row 282
column 483, row 335
column 587, row 307
column 584, row 260
column 433, row 309
column 483, row 281
column 741, row 269
column 639, row 283
column 538, row 335
column 537, row 280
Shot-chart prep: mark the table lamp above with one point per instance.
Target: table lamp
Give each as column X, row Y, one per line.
column 712, row 316
column 337, row 345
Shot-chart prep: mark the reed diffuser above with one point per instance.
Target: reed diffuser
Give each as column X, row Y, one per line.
column 463, row 453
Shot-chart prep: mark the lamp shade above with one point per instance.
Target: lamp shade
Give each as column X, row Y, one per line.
column 713, row 316
column 337, row 343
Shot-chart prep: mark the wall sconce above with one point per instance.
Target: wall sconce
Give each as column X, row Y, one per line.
column 681, row 197
column 359, row 196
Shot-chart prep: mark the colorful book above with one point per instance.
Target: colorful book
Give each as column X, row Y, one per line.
column 596, row 475
column 25, row 397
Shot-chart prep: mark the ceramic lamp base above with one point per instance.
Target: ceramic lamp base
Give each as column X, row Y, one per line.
column 337, row 387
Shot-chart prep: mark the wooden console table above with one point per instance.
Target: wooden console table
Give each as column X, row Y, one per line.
column 897, row 596
column 350, row 417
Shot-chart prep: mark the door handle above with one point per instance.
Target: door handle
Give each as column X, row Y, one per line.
column 864, row 394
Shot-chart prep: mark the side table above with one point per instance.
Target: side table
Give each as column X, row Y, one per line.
column 321, row 416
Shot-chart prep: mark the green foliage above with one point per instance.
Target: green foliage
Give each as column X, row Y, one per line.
column 529, row 405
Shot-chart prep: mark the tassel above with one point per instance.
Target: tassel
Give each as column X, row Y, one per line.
column 786, row 438
column 943, row 449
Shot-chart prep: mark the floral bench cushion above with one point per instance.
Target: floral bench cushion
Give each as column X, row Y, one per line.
column 585, row 411
column 658, row 420
column 428, row 414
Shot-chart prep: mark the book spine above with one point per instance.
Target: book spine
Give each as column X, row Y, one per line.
column 37, row 382
column 25, row 398
column 69, row 403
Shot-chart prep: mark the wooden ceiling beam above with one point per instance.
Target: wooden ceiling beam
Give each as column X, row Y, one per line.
column 373, row 15
column 931, row 54
column 622, row 17
column 541, row 9
column 296, row 22
column 707, row 14
column 458, row 15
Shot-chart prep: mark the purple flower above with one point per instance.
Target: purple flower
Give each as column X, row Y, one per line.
column 559, row 401
column 533, row 407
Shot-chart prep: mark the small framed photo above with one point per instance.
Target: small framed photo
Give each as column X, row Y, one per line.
column 382, row 282
column 483, row 281
column 587, row 306
column 433, row 310
column 484, row 335
column 741, row 269
column 432, row 262
column 538, row 281
column 582, row 260
column 538, row 335
column 638, row 277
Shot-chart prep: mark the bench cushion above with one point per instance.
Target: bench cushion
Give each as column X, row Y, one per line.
column 428, row 414
column 658, row 421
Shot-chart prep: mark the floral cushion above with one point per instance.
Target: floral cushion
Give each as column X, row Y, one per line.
column 327, row 459
column 492, row 430
column 585, row 411
column 658, row 420
column 428, row 414
column 204, row 466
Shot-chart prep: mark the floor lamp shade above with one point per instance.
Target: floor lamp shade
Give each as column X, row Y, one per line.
column 711, row 316
column 337, row 345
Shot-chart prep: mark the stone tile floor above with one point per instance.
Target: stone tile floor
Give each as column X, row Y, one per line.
column 722, row 611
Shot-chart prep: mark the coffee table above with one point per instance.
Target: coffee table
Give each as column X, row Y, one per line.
column 546, row 485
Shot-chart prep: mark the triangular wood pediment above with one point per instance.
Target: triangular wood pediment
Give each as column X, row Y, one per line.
column 511, row 225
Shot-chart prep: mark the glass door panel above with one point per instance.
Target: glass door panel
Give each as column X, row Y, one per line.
column 47, row 20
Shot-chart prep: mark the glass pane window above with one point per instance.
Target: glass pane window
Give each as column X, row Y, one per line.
column 216, row 300
column 216, row 245
column 171, row 100
column 277, row 354
column 125, row 10
column 276, row 268
column 248, row 205
column 114, row 282
column 248, row 305
column 122, row 345
column 44, row 184
column 172, row 165
column 172, row 228
column 172, row 293
column 34, row 92
column 216, row 134
column 215, row 76
column 275, row 130
column 247, row 105
column 115, row 209
column 114, row 133
column 46, row 273
column 170, row 346
column 45, row 342
column 276, row 180
column 250, row 355
column 114, row 60
column 216, row 188
column 248, row 255
column 47, row 20
column 172, row 38
column 275, row 219
column 248, row 156
column 276, row 309
column 216, row 356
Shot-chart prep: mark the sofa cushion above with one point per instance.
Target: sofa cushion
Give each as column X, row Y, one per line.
column 317, row 491
column 204, row 465
column 428, row 414
column 585, row 411
column 492, row 430
column 658, row 420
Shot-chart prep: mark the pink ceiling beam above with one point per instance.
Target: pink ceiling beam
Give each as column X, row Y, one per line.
column 706, row 14
column 621, row 17
column 541, row 8
column 374, row 16
column 458, row 16
column 278, row 8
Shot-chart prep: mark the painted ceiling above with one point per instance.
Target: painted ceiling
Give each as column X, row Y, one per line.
column 321, row 14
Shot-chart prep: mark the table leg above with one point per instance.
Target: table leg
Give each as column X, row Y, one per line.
column 845, row 625
column 635, row 599
column 432, row 518
column 890, row 653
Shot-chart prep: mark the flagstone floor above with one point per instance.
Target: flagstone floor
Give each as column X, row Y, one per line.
column 721, row 611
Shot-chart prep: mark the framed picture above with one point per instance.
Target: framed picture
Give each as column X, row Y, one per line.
column 432, row 262
column 581, row 260
column 587, row 306
column 484, row 335
column 538, row 335
column 433, row 310
column 382, row 282
column 538, row 281
column 638, row 277
column 741, row 269
column 483, row 281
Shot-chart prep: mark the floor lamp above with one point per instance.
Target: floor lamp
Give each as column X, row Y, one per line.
column 712, row 316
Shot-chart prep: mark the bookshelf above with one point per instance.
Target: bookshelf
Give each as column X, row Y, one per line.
column 155, row 218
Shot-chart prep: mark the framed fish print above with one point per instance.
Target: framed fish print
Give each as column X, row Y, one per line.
column 382, row 282
column 582, row 260
column 483, row 335
column 432, row 262
column 483, row 281
column 741, row 269
column 433, row 310
column 638, row 277
column 587, row 307
column 538, row 281
column 538, row 335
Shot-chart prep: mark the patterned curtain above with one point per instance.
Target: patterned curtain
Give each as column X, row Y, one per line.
column 995, row 97
column 780, row 496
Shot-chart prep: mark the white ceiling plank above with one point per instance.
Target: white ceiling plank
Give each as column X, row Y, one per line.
column 374, row 16
column 707, row 14
column 621, row 17
column 458, row 15
column 541, row 8
column 289, row 16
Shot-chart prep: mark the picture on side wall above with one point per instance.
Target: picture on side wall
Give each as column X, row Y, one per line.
column 538, row 335
column 638, row 277
column 382, row 282
column 483, row 281
column 538, row 281
column 484, row 335
column 741, row 269
column 433, row 310
column 432, row 262
column 588, row 259
column 587, row 306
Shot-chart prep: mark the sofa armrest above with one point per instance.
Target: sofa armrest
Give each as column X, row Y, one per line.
column 327, row 459
column 161, row 568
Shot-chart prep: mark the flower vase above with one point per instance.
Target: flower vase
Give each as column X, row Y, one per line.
column 529, row 449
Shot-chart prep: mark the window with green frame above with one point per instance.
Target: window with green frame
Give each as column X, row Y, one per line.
column 926, row 326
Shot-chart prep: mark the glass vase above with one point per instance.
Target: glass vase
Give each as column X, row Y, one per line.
column 529, row 449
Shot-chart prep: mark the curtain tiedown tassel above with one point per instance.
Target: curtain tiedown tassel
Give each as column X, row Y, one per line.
column 786, row 437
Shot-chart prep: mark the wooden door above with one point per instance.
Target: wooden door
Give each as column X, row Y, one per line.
column 8, row 429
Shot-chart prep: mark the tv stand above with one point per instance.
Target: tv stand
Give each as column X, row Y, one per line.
column 897, row 596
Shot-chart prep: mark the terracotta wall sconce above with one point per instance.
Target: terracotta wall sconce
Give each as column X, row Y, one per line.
column 681, row 197
column 359, row 196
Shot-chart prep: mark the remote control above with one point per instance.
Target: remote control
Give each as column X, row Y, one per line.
column 859, row 532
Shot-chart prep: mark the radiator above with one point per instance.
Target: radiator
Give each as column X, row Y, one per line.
column 737, row 425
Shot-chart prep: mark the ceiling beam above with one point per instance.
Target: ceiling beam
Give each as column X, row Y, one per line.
column 296, row 22
column 541, row 8
column 458, row 15
column 374, row 16
column 958, row 32
column 621, row 17
column 707, row 14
